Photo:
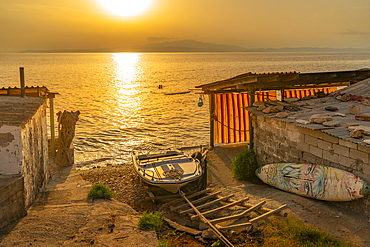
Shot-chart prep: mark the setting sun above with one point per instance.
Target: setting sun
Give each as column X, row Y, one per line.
column 125, row 7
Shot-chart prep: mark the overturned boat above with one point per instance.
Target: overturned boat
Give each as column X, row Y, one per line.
column 170, row 170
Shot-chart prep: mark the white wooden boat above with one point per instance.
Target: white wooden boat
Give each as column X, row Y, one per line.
column 170, row 170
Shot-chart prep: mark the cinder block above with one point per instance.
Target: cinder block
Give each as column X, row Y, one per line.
column 312, row 141
column 295, row 136
column 284, row 147
column 292, row 144
column 316, row 151
column 313, row 133
column 366, row 170
column 346, row 161
column 293, row 159
column 323, row 162
column 347, row 144
column 330, row 138
column 342, row 150
column 358, row 155
column 328, row 146
column 363, row 148
column 309, row 158
column 330, row 156
column 304, row 147
column 296, row 153
column 282, row 154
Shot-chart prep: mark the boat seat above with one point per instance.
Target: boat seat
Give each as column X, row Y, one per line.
column 155, row 156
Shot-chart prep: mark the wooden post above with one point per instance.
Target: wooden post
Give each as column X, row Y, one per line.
column 282, row 94
column 23, row 90
column 51, row 96
column 251, row 101
column 212, row 122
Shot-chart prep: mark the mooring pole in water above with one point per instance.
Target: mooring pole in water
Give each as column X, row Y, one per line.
column 51, row 96
column 212, row 122
column 23, row 87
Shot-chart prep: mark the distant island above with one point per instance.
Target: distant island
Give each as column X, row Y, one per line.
column 196, row 46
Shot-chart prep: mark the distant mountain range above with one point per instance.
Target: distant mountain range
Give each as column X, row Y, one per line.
column 196, row 46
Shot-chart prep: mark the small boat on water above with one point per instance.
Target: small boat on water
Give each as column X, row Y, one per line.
column 170, row 170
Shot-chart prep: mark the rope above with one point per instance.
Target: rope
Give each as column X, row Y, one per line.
column 214, row 118
column 173, row 173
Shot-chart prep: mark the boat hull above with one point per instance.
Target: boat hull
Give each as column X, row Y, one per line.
column 170, row 171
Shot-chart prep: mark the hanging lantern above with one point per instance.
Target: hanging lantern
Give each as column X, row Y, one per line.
column 200, row 101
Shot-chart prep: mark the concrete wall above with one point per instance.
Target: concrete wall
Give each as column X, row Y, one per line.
column 35, row 154
column 10, row 149
column 278, row 142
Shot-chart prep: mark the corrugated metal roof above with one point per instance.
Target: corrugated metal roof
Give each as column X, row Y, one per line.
column 250, row 82
column 17, row 110
column 317, row 106
column 359, row 89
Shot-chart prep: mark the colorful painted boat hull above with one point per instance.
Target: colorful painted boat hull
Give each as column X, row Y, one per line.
column 314, row 181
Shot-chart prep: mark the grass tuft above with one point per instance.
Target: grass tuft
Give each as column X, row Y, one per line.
column 295, row 233
column 151, row 221
column 101, row 191
column 169, row 240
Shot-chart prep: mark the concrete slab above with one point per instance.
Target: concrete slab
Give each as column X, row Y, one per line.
column 63, row 215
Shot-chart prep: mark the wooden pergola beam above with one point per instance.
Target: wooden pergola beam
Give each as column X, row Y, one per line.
column 266, row 82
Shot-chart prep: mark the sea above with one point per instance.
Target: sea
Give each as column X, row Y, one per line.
column 122, row 96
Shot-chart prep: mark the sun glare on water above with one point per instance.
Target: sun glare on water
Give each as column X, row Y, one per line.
column 125, row 7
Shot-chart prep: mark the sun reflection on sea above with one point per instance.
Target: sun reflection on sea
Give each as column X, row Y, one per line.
column 125, row 95
column 127, row 72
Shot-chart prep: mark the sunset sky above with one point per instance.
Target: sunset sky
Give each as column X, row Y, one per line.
column 86, row 24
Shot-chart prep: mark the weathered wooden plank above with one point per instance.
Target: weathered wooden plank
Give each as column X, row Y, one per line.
column 181, row 228
column 261, row 217
column 220, row 208
column 207, row 204
column 151, row 195
column 251, row 222
column 182, row 199
column 218, row 220
column 261, row 209
column 162, row 197
column 214, row 229
column 196, row 201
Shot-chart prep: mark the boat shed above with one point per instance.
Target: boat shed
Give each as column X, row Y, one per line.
column 294, row 138
column 229, row 121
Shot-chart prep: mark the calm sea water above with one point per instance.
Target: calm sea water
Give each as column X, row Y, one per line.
column 122, row 108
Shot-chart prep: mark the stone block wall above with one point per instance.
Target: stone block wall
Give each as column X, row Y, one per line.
column 11, row 199
column 35, row 154
column 279, row 142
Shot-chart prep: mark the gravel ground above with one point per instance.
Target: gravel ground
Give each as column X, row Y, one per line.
column 124, row 182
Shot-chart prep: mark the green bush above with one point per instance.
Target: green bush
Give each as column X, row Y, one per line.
column 244, row 165
column 150, row 221
column 101, row 191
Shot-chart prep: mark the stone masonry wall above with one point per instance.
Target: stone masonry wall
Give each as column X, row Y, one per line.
column 279, row 142
column 35, row 155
